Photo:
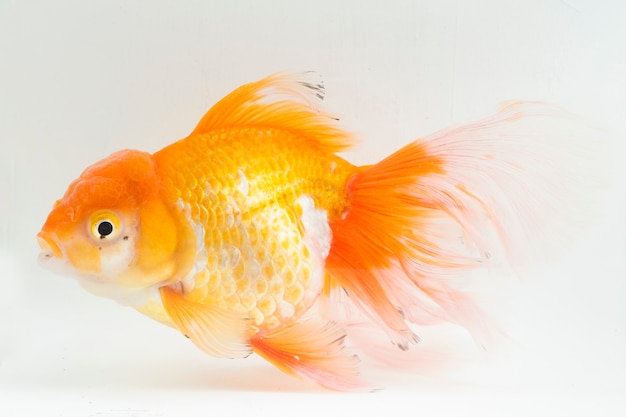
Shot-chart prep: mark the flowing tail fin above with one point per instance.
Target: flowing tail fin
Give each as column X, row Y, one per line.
column 504, row 191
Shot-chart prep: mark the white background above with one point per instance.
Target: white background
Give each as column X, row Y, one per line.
column 81, row 79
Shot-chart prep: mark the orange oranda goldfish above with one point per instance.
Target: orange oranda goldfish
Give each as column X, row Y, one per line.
column 252, row 235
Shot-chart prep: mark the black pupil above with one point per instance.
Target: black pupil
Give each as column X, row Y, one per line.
column 105, row 229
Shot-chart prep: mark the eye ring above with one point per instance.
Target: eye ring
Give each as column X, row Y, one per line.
column 104, row 226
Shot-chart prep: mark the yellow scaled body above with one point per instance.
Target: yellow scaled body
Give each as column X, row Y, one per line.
column 256, row 256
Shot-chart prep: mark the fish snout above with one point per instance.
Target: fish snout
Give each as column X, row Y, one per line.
column 49, row 248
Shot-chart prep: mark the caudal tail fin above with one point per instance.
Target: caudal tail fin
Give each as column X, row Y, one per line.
column 503, row 191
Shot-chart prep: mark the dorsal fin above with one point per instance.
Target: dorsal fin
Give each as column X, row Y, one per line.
column 280, row 101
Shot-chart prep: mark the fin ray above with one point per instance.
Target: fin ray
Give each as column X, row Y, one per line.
column 215, row 331
column 281, row 101
column 501, row 193
column 312, row 350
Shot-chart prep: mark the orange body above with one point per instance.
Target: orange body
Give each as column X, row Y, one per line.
column 254, row 256
column 251, row 234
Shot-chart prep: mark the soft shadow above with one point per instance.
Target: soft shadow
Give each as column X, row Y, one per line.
column 170, row 374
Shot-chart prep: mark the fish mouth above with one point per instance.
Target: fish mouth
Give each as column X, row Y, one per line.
column 49, row 248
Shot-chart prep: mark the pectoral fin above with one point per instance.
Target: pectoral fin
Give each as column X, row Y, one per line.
column 216, row 331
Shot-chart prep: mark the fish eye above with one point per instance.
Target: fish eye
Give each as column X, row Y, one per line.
column 104, row 225
column 105, row 228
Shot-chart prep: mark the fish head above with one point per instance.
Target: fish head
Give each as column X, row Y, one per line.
column 113, row 227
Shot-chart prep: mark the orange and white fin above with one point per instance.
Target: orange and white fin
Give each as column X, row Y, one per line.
column 313, row 351
column 216, row 331
column 281, row 101
column 501, row 193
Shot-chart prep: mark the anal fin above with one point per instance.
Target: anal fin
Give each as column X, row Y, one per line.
column 216, row 331
column 314, row 351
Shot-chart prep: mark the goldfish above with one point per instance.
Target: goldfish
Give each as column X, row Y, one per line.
column 252, row 235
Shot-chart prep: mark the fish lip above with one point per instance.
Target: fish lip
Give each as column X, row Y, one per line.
column 49, row 248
